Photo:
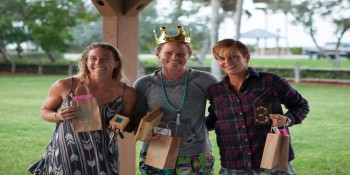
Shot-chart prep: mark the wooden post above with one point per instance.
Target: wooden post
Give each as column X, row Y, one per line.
column 13, row 67
column 122, row 33
column 70, row 68
column 297, row 73
column 120, row 29
column 40, row 69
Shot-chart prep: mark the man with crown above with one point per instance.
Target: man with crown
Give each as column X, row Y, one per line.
column 181, row 93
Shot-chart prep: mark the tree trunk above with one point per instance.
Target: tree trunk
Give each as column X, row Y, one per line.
column 51, row 57
column 178, row 12
column 286, row 22
column 322, row 52
column 238, row 17
column 3, row 52
column 215, row 23
column 204, row 51
column 337, row 57
column 19, row 50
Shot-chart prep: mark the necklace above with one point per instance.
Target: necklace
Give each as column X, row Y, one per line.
column 167, row 100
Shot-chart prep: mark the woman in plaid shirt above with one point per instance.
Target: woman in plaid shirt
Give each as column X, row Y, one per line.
column 240, row 137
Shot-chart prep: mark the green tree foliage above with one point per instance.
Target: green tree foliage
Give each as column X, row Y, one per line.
column 12, row 26
column 69, row 25
column 84, row 34
column 86, row 31
column 342, row 23
column 336, row 12
column 147, row 23
column 182, row 12
column 305, row 12
column 49, row 22
column 43, row 22
column 6, row 28
column 282, row 5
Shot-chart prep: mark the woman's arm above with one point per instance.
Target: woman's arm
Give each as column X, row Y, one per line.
column 130, row 97
column 57, row 92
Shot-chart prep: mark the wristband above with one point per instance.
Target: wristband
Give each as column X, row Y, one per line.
column 288, row 122
column 56, row 116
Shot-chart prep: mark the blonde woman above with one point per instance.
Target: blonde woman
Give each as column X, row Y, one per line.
column 93, row 152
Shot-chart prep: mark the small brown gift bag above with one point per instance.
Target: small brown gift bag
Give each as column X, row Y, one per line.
column 162, row 153
column 147, row 124
column 89, row 116
column 276, row 150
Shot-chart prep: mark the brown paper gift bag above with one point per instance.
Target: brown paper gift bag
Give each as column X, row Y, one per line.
column 276, row 152
column 147, row 124
column 89, row 118
column 162, row 153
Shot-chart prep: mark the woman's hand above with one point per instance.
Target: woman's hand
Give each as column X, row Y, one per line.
column 67, row 113
column 153, row 137
column 278, row 119
column 117, row 131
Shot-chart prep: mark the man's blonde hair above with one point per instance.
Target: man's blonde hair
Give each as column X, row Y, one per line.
column 226, row 46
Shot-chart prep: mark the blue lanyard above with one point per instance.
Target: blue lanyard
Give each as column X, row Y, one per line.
column 167, row 100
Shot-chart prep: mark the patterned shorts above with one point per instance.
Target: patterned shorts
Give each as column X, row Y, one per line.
column 261, row 171
column 202, row 164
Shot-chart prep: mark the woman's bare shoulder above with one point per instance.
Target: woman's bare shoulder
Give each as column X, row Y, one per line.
column 130, row 92
column 65, row 85
column 64, row 82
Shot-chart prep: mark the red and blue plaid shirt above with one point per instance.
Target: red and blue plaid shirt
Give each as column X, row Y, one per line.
column 240, row 140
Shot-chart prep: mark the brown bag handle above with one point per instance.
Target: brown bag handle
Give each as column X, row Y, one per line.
column 274, row 124
column 82, row 97
column 167, row 126
column 80, row 86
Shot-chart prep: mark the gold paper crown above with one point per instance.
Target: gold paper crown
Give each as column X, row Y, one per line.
column 180, row 37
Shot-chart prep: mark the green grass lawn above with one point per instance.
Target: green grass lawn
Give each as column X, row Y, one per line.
column 321, row 143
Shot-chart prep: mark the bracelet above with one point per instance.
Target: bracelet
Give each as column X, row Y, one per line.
column 56, row 116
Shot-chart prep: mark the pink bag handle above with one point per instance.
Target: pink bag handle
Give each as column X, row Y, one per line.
column 82, row 97
column 274, row 124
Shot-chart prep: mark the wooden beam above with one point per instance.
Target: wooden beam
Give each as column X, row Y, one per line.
column 133, row 7
column 108, row 7
column 129, row 8
column 122, row 32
